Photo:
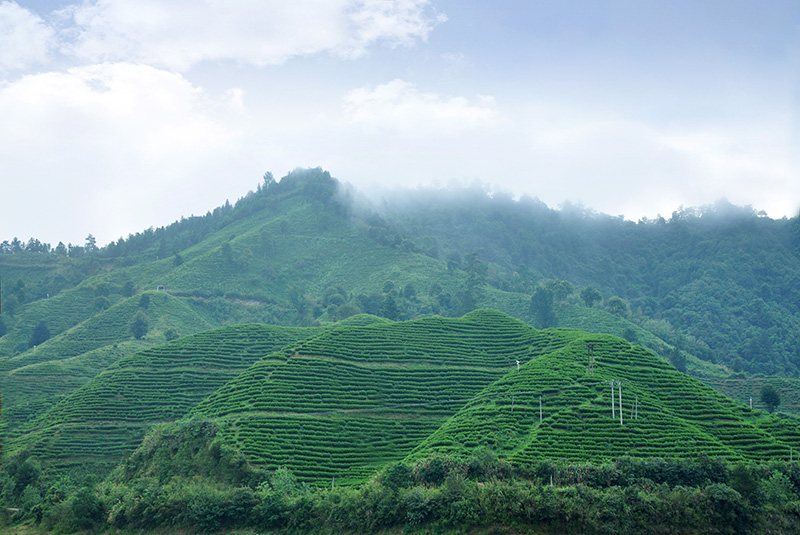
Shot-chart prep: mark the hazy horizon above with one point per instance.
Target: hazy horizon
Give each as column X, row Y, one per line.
column 119, row 116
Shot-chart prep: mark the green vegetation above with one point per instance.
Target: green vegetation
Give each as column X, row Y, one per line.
column 41, row 376
column 436, row 407
column 184, row 478
column 373, row 390
column 103, row 420
column 664, row 412
column 305, row 381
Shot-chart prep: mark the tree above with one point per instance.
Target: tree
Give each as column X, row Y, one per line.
column 409, row 292
column 617, row 306
column 453, row 261
column 40, row 334
column 389, row 309
column 561, row 289
column 91, row 244
column 144, row 301
column 128, row 289
column 171, row 334
column 678, row 359
column 770, row 397
column 542, row 308
column 3, row 328
column 139, row 325
column 590, row 296
column 476, row 271
column 101, row 302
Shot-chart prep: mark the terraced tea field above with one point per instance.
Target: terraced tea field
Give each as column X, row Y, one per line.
column 104, row 419
column 338, row 404
column 39, row 377
column 664, row 412
column 345, row 403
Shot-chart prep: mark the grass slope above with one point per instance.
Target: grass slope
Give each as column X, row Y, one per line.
column 677, row 415
column 104, row 419
column 39, row 377
column 343, row 404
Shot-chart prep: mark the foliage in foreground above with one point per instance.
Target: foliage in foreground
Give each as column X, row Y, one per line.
column 201, row 486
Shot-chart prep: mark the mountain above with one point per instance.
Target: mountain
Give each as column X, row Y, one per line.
column 714, row 287
column 719, row 282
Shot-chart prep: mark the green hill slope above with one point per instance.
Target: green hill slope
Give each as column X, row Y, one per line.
column 664, row 412
column 343, row 404
column 104, row 419
column 40, row 376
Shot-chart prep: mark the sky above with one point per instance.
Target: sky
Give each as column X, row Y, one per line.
column 119, row 115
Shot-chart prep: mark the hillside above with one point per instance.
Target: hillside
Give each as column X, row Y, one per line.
column 448, row 386
column 104, row 419
column 40, row 376
column 306, row 250
column 344, row 403
column 250, row 424
column 719, row 282
column 555, row 408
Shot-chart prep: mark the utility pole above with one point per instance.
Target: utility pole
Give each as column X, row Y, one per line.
column 619, row 389
column 590, row 352
column 613, row 414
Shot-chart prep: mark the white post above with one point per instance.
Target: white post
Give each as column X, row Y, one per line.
column 619, row 389
column 751, row 402
column 613, row 414
column 517, row 366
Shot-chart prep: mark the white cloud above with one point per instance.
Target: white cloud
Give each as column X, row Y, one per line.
column 638, row 169
column 399, row 106
column 177, row 34
column 25, row 39
column 111, row 149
